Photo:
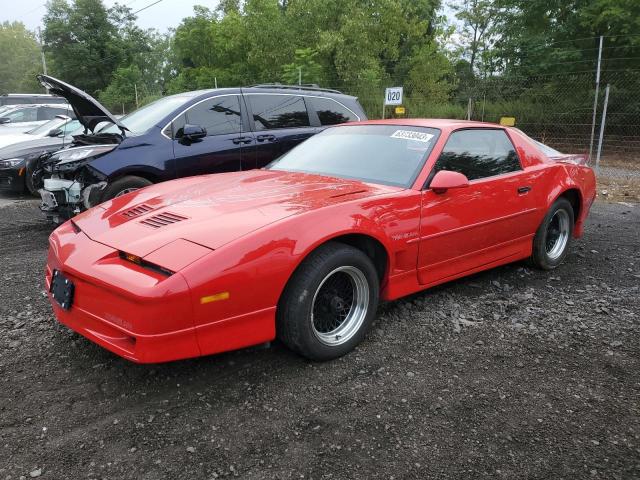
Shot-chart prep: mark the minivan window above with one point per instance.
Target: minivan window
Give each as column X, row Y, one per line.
column 218, row 115
column 478, row 153
column 331, row 112
column 278, row 111
column 141, row 120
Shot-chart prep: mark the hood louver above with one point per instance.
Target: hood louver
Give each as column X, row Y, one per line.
column 136, row 211
column 162, row 220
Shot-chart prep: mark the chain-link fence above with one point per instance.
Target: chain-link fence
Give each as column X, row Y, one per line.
column 554, row 109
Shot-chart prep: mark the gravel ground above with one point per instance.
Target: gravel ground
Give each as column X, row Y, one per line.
column 511, row 373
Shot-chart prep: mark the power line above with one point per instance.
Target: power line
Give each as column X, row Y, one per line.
column 31, row 11
column 148, row 6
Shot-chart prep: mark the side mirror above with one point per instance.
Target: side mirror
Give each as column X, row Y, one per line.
column 445, row 179
column 192, row 133
column 54, row 132
column 4, row 120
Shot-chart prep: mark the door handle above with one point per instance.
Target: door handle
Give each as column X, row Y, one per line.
column 262, row 138
column 523, row 190
column 239, row 140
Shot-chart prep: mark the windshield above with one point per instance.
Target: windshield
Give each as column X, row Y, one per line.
column 141, row 120
column 383, row 154
column 46, row 127
column 6, row 108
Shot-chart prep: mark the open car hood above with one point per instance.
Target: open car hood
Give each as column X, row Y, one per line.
column 88, row 110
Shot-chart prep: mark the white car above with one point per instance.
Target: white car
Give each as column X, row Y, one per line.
column 53, row 128
column 22, row 118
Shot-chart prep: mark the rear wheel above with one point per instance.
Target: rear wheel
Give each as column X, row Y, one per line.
column 329, row 302
column 551, row 242
column 122, row 186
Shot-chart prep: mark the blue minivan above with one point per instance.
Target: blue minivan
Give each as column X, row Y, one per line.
column 191, row 133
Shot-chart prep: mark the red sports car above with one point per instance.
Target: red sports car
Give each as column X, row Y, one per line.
column 304, row 249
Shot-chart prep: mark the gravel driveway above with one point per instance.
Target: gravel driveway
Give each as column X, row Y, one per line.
column 512, row 373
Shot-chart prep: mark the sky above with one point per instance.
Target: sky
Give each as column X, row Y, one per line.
column 162, row 16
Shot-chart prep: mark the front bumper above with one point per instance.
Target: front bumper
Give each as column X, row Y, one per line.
column 12, row 179
column 140, row 315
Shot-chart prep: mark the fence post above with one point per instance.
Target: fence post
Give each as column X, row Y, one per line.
column 595, row 101
column 602, row 123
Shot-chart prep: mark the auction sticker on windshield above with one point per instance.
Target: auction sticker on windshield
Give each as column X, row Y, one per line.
column 412, row 135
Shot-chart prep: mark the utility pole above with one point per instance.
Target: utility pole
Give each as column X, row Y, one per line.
column 595, row 101
column 44, row 60
column 299, row 75
column 602, row 124
column 135, row 88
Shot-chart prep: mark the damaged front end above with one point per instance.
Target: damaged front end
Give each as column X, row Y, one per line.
column 71, row 184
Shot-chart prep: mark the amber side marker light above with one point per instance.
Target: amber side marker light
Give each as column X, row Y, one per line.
column 215, row 298
column 130, row 257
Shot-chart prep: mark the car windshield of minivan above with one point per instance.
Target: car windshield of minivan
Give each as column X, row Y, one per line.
column 383, row 154
column 141, row 120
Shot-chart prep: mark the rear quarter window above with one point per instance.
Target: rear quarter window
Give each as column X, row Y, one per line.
column 331, row 112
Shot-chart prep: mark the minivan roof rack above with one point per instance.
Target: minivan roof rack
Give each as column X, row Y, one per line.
column 304, row 86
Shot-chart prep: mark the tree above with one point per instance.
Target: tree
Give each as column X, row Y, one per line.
column 79, row 43
column 122, row 93
column 86, row 45
column 19, row 59
column 304, row 68
column 477, row 31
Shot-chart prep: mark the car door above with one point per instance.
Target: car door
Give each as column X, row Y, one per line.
column 279, row 123
column 488, row 222
column 223, row 147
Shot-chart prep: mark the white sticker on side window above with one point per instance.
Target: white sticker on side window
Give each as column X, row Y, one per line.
column 412, row 135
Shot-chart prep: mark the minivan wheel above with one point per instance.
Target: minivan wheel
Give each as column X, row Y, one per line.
column 329, row 303
column 122, row 186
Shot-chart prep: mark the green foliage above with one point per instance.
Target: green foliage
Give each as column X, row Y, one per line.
column 101, row 50
column 304, row 68
column 120, row 95
column 19, row 59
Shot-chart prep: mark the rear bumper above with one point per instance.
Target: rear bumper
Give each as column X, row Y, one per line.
column 142, row 316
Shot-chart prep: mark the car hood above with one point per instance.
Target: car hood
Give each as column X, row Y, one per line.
column 213, row 210
column 12, row 138
column 20, row 149
column 88, row 110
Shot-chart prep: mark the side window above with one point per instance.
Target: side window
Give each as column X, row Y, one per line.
column 478, row 153
column 331, row 112
column 23, row 115
column 218, row 115
column 278, row 111
column 49, row 113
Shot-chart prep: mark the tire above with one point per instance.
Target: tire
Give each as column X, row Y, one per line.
column 553, row 237
column 33, row 179
column 331, row 280
column 123, row 186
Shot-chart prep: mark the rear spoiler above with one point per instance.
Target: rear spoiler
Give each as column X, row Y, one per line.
column 576, row 159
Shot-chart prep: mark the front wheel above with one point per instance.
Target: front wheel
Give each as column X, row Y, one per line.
column 329, row 303
column 122, row 186
column 34, row 178
column 551, row 242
